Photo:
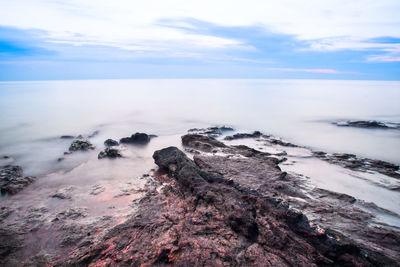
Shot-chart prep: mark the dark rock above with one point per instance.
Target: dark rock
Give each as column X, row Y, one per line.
column 218, row 211
column 255, row 134
column 111, row 142
column 201, row 142
column 276, row 141
column 67, row 137
column 6, row 157
column 368, row 124
column 136, row 139
column 214, row 131
column 352, row 162
column 10, row 241
column 12, row 180
column 109, row 153
column 80, row 145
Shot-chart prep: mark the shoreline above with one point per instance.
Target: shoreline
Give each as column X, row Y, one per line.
column 338, row 214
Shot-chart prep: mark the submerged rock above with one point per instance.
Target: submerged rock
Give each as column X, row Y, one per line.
column 368, row 124
column 80, row 145
column 136, row 139
column 214, row 131
column 111, row 142
column 67, row 137
column 12, row 180
column 109, row 153
column 352, row 162
column 93, row 134
column 243, row 135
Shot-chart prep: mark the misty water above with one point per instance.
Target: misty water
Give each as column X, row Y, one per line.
column 34, row 115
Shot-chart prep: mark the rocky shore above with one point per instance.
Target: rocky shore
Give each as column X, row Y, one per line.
column 215, row 203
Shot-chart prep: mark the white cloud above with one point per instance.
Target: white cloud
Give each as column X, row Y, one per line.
column 323, row 71
column 133, row 25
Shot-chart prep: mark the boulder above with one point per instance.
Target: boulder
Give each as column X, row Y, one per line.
column 111, row 142
column 136, row 139
column 81, row 145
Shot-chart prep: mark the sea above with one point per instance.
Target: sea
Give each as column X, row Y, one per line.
column 35, row 114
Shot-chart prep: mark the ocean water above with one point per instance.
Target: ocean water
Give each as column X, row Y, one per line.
column 301, row 111
column 33, row 116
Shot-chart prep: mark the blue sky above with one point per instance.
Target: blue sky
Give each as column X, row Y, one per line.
column 81, row 39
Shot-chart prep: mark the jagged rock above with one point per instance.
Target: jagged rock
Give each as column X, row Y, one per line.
column 136, row 139
column 111, row 142
column 255, row 134
column 109, row 153
column 201, row 142
column 220, row 211
column 81, row 145
column 12, row 180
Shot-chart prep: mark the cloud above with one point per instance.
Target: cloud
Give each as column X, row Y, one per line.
column 135, row 24
column 324, row 71
column 384, row 59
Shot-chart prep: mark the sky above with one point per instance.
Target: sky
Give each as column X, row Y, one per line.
column 103, row 39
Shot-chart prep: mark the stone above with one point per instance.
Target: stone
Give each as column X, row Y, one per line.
column 111, row 142
column 12, row 180
column 136, row 139
column 80, row 145
column 109, row 152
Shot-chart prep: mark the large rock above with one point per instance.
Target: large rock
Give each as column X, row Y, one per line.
column 12, row 180
column 111, row 142
column 109, row 152
column 80, row 145
column 136, row 139
column 201, row 142
column 220, row 211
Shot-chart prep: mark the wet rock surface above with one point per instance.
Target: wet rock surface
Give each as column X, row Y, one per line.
column 80, row 145
column 368, row 124
column 109, row 152
column 353, row 162
column 214, row 131
column 239, row 209
column 136, row 139
column 220, row 205
column 201, row 142
column 12, row 180
column 243, row 135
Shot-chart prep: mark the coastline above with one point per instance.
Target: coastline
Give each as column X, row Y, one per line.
column 175, row 205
